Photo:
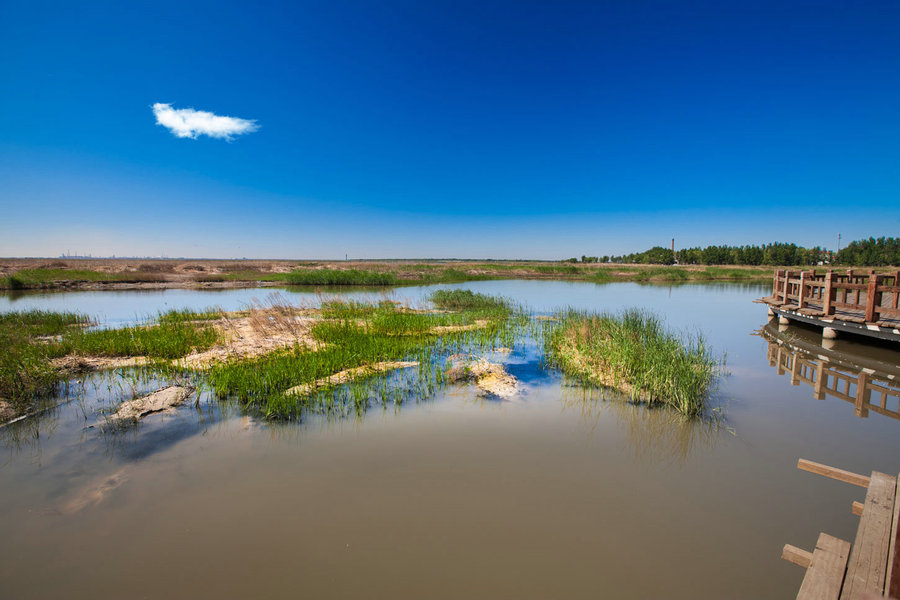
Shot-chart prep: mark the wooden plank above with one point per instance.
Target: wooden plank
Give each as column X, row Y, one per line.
column 892, row 579
column 798, row 556
column 826, row 571
column 868, row 558
column 839, row 474
column 856, row 508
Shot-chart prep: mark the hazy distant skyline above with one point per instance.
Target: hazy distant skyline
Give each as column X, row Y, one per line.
column 466, row 130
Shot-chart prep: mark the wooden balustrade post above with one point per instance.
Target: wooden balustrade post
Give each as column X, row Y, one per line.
column 775, row 284
column 871, row 295
column 784, row 293
column 801, row 293
column 896, row 302
column 827, row 296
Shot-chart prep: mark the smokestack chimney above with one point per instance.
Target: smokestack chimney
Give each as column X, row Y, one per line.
column 673, row 245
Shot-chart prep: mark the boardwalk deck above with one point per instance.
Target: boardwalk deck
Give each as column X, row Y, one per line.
column 837, row 570
column 853, row 302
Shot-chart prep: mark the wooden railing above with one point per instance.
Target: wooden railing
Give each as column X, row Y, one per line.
column 876, row 296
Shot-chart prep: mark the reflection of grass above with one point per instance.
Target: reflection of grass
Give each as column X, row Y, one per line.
column 653, row 434
column 632, row 352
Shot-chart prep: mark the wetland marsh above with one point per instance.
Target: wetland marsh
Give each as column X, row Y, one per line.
column 414, row 484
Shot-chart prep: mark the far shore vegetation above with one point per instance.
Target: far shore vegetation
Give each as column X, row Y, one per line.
column 712, row 263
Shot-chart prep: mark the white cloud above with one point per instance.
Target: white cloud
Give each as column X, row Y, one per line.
column 190, row 123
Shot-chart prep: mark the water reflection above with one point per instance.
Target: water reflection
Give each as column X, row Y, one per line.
column 868, row 378
column 653, row 435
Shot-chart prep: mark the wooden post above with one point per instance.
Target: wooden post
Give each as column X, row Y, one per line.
column 896, row 291
column 775, row 284
column 787, row 279
column 871, row 295
column 827, row 296
column 801, row 295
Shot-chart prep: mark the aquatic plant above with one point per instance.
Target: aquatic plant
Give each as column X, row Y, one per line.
column 635, row 354
column 169, row 338
column 468, row 300
column 351, row 335
column 49, row 277
column 339, row 277
column 25, row 371
column 30, row 340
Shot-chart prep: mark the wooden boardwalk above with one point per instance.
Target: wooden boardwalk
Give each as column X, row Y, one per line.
column 870, row 566
column 852, row 302
column 865, row 382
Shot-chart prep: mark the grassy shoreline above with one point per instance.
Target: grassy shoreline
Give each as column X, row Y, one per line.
column 34, row 274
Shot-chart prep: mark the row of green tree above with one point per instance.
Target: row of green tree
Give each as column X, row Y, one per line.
column 873, row 252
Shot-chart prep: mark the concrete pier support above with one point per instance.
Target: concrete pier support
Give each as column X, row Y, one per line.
column 829, row 333
column 771, row 313
column 783, row 320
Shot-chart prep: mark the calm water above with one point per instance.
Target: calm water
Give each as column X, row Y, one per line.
column 558, row 494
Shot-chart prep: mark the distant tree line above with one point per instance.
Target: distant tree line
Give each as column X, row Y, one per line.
column 874, row 252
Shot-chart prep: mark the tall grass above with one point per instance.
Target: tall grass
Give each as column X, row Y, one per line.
column 30, row 340
column 468, row 300
column 339, row 277
column 354, row 335
column 167, row 340
column 635, row 354
column 25, row 371
column 38, row 278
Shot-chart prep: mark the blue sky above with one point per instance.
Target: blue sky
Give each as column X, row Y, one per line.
column 457, row 129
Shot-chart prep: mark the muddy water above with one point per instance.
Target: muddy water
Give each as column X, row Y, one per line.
column 559, row 493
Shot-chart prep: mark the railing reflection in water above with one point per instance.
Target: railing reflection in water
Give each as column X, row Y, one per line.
column 870, row 384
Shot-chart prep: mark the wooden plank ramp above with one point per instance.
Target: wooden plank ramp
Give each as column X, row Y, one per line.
column 870, row 567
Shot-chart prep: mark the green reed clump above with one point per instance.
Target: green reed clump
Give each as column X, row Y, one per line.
column 662, row 274
column 468, row 300
column 354, row 335
column 339, row 277
column 457, row 275
column 38, row 278
column 558, row 269
column 734, row 273
column 635, row 354
column 172, row 337
column 188, row 316
column 350, row 309
column 25, row 370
